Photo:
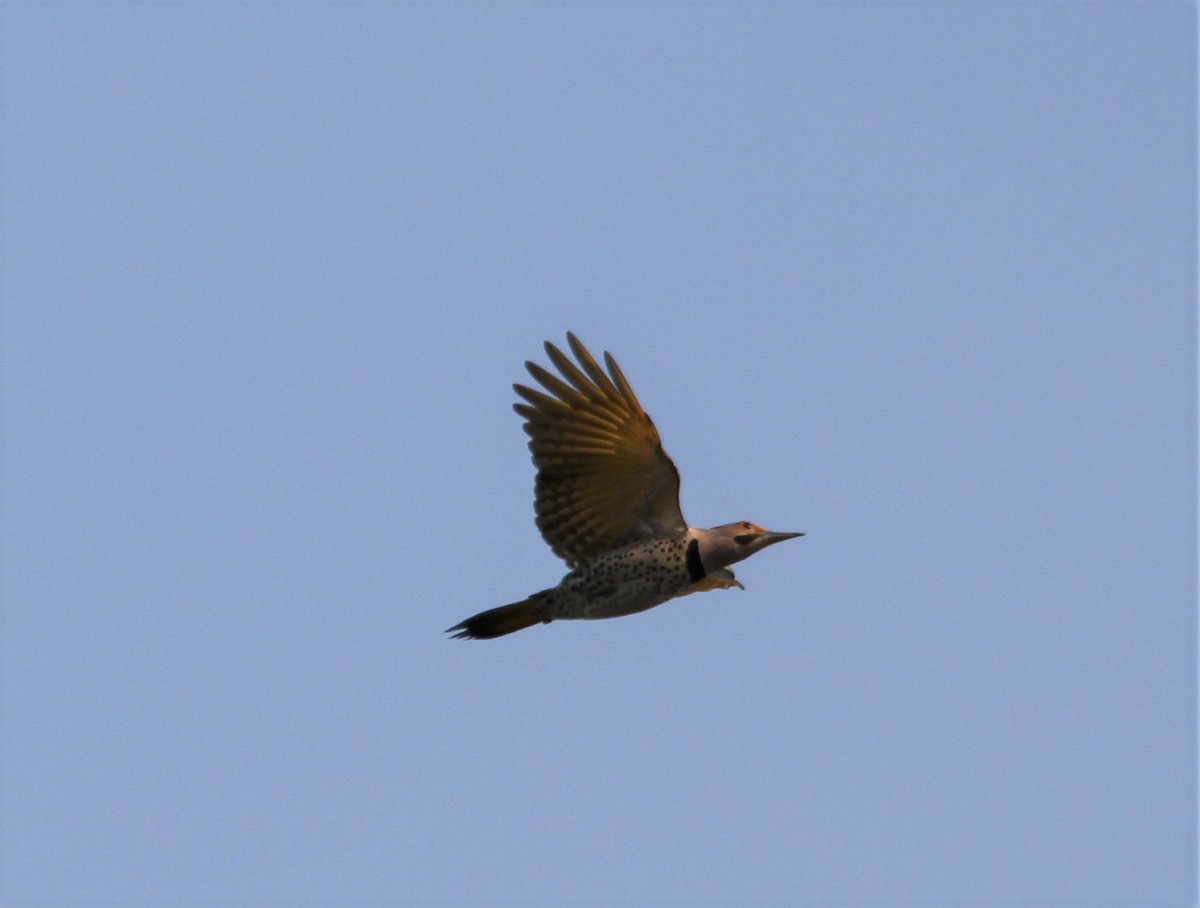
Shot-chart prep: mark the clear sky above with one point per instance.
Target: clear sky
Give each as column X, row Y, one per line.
column 917, row 279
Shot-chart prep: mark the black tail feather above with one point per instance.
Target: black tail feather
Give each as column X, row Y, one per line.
column 505, row 619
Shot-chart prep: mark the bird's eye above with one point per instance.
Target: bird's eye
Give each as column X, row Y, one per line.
column 745, row 524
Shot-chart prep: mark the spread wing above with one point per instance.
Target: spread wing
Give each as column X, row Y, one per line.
column 603, row 479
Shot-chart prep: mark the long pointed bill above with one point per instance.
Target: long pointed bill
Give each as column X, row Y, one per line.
column 772, row 538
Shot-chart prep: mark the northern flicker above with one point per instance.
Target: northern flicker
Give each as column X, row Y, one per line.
column 607, row 503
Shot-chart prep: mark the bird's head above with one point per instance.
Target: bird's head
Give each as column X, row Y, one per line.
column 732, row 542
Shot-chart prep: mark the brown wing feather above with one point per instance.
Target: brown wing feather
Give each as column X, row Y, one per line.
column 603, row 479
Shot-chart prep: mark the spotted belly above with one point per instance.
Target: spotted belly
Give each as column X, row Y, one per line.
column 626, row 581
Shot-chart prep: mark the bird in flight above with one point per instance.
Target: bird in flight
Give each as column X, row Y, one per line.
column 607, row 503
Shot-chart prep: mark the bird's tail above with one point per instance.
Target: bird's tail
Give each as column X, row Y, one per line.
column 496, row 622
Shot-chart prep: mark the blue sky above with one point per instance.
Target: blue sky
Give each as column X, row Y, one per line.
column 916, row 279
